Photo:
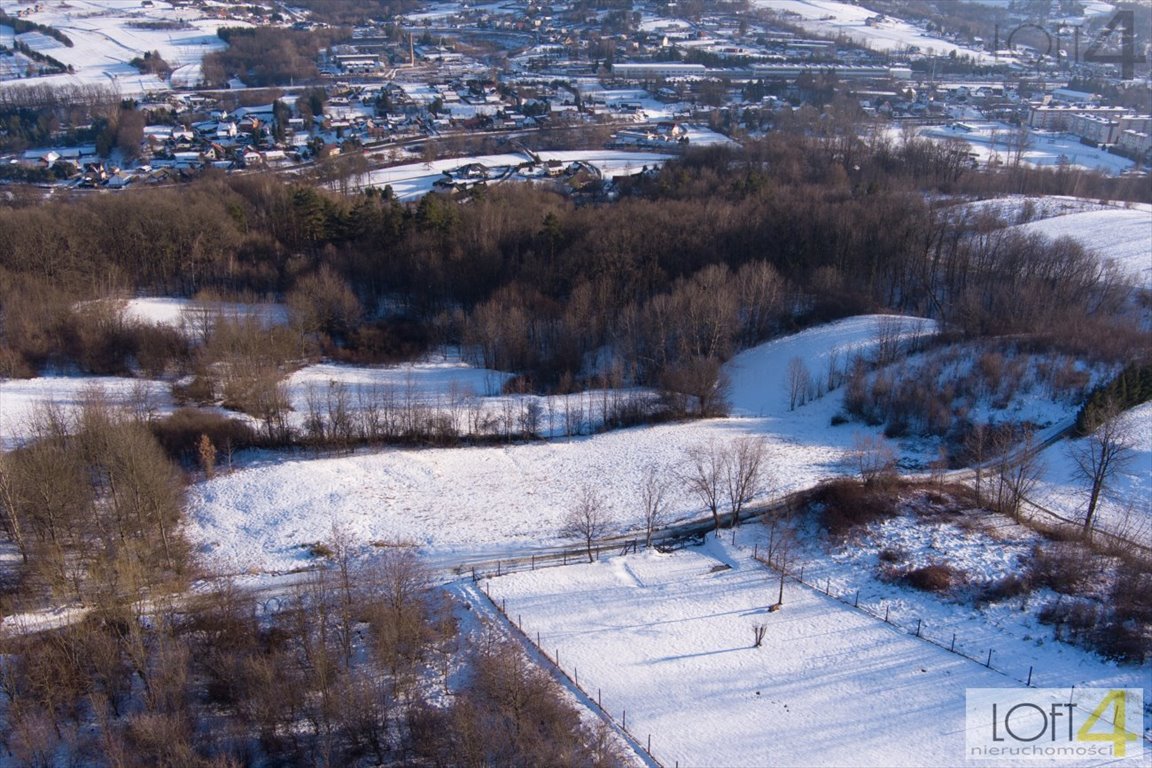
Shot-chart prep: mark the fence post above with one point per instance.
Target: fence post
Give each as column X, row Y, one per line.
column 624, row 723
column 576, row 672
column 558, row 657
column 801, row 574
column 503, row 606
column 533, row 562
column 519, row 626
column 989, row 662
column 473, row 574
column 537, row 638
column 755, row 556
column 1029, row 683
column 856, row 603
column 497, row 567
column 952, row 647
column 649, row 750
column 886, row 607
column 598, row 702
column 918, row 621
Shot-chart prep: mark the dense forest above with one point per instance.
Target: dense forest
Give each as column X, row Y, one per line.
column 264, row 56
column 719, row 251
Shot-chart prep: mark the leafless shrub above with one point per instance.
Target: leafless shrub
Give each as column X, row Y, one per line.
column 1066, row 567
column 1007, row 587
column 893, row 555
column 848, row 504
column 510, row 714
column 180, row 434
column 935, row 577
column 876, row 459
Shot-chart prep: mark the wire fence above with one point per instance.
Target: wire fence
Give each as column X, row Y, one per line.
column 909, row 625
column 641, row 747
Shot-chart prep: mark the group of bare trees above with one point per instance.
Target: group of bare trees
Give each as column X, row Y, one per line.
column 360, row 665
column 93, row 505
column 726, row 475
column 720, row 475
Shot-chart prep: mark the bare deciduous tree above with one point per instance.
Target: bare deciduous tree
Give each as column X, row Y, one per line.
column 976, row 446
column 587, row 520
column 1018, row 470
column 875, row 458
column 889, row 331
column 206, row 452
column 654, row 497
column 1101, row 455
column 799, row 381
column 744, row 472
column 704, row 476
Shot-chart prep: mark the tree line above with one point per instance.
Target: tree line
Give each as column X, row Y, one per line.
column 722, row 249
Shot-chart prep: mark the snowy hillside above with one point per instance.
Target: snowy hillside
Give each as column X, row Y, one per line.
column 107, row 35
column 1126, row 506
column 467, row 501
column 1122, row 236
column 832, row 18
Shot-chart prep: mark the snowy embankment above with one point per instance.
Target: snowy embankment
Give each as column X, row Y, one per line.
column 1125, row 507
column 669, row 640
column 1121, row 236
column 107, row 35
column 833, row 19
column 460, row 502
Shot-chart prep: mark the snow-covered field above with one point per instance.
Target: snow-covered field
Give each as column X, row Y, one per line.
column 1118, row 232
column 108, row 34
column 1014, row 209
column 668, row 639
column 412, row 181
column 831, row 18
column 192, row 314
column 997, row 144
column 20, row 399
column 462, row 502
column 1122, row 236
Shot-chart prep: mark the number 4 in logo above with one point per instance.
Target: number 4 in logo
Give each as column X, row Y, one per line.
column 1120, row 736
column 1124, row 22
